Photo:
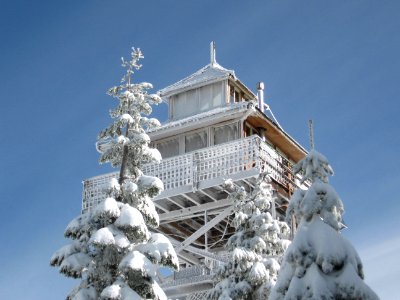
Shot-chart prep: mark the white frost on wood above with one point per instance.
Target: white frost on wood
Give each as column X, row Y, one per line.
column 211, row 114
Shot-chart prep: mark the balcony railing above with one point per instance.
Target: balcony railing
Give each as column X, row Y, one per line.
column 238, row 159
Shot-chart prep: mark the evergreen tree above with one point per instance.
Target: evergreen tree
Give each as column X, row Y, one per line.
column 255, row 248
column 113, row 251
column 320, row 263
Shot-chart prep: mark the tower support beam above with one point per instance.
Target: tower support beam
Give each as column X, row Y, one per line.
column 204, row 229
column 188, row 212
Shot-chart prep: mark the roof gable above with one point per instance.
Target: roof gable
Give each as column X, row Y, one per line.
column 212, row 72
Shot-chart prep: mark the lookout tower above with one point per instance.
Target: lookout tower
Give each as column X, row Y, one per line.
column 217, row 129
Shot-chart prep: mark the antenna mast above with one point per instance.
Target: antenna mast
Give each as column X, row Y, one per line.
column 212, row 53
column 311, row 132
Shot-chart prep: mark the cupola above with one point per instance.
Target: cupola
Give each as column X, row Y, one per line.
column 210, row 87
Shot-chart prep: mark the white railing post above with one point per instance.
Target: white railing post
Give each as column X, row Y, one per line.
column 194, row 166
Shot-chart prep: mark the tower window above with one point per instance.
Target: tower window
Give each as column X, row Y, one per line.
column 225, row 133
column 169, row 148
column 194, row 141
column 198, row 100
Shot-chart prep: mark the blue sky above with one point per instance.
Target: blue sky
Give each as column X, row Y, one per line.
column 333, row 61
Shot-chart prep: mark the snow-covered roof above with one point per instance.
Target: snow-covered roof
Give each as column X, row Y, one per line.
column 196, row 120
column 212, row 72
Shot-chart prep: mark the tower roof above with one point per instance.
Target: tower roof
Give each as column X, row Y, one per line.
column 212, row 72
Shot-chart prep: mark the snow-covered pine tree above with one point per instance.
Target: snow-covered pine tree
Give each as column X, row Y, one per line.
column 113, row 251
column 320, row 263
column 255, row 248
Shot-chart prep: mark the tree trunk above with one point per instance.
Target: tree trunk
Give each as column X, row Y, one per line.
column 122, row 172
column 124, row 162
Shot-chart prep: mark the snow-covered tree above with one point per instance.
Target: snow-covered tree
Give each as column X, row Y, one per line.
column 255, row 248
column 113, row 251
column 320, row 263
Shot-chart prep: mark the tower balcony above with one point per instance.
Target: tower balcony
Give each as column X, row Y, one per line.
column 207, row 167
column 193, row 181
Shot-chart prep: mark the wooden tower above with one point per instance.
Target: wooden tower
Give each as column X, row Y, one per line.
column 217, row 130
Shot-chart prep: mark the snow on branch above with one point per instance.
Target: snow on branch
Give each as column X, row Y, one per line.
column 254, row 248
column 320, row 263
column 314, row 166
column 113, row 251
column 321, row 198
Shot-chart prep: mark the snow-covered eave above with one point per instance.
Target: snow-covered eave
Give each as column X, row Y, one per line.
column 281, row 130
column 166, row 96
column 215, row 115
column 245, row 88
column 190, row 81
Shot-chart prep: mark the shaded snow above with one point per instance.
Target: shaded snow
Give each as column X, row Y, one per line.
column 314, row 166
column 153, row 154
column 258, row 273
column 107, row 208
column 151, row 184
column 128, row 294
column 64, row 252
column 126, row 118
column 159, row 249
column 139, row 138
column 130, row 216
column 88, row 293
column 76, row 227
column 73, row 265
column 138, row 263
column 131, row 222
column 102, row 237
column 111, row 292
column 129, row 187
column 321, row 263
